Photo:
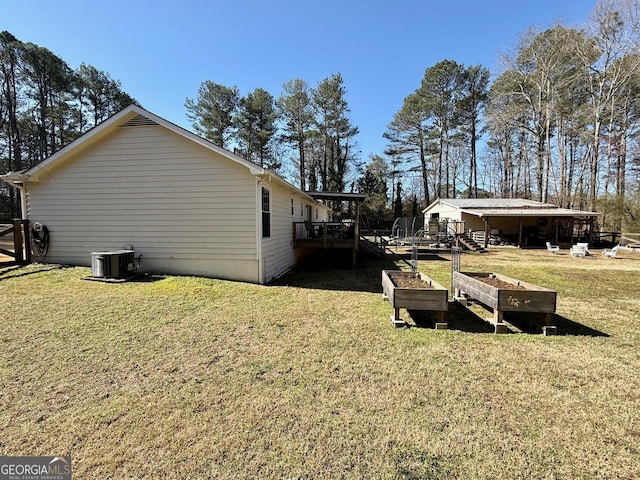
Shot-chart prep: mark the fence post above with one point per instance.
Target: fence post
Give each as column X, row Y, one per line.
column 18, row 242
column 21, row 241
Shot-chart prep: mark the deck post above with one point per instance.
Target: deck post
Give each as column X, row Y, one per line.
column 356, row 230
column 324, row 234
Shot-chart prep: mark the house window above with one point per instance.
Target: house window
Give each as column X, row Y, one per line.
column 292, row 208
column 301, row 209
column 266, row 213
column 316, row 213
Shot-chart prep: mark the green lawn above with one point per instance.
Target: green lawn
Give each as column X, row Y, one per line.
column 183, row 377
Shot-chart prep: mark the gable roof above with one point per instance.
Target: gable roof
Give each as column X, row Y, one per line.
column 508, row 207
column 132, row 116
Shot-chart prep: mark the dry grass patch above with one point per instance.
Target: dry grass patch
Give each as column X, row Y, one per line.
column 183, row 377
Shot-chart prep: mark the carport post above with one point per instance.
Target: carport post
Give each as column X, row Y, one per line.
column 519, row 232
column 486, row 232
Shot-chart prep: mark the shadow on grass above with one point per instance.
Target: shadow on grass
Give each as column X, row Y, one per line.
column 136, row 278
column 528, row 323
column 148, row 278
column 16, row 271
column 333, row 271
column 463, row 319
column 457, row 317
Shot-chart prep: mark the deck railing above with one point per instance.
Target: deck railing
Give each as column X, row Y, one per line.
column 324, row 232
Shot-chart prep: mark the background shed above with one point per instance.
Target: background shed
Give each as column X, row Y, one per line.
column 516, row 221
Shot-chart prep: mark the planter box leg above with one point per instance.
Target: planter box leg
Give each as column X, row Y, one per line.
column 501, row 328
column 441, row 324
column 498, row 321
column 461, row 299
column 396, row 320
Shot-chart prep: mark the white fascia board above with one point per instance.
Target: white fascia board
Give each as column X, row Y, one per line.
column 433, row 204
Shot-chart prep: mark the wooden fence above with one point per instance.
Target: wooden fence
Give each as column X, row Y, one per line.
column 15, row 234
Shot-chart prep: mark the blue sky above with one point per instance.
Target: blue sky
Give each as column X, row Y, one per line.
column 161, row 51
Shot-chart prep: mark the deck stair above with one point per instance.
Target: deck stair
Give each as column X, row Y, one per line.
column 469, row 244
column 373, row 248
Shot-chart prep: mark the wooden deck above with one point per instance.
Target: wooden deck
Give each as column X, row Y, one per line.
column 325, row 235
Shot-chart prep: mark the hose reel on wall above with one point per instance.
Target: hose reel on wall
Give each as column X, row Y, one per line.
column 40, row 237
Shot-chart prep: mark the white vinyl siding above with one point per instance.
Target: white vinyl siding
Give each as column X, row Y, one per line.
column 278, row 252
column 443, row 211
column 183, row 207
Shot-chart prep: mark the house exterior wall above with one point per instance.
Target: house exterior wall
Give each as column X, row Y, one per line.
column 442, row 211
column 186, row 209
column 506, row 225
column 472, row 222
column 287, row 207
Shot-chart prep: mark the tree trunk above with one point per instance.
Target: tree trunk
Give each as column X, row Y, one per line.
column 593, row 170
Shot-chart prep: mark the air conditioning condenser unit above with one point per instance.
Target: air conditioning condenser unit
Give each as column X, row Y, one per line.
column 116, row 264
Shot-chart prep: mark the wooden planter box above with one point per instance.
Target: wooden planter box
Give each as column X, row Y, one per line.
column 426, row 295
column 505, row 294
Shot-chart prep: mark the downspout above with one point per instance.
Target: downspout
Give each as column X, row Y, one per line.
column 23, row 201
column 19, row 185
column 17, row 180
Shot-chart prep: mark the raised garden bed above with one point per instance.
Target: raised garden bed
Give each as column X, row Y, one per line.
column 505, row 294
column 414, row 291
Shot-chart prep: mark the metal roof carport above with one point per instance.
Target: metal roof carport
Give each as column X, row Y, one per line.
column 487, row 208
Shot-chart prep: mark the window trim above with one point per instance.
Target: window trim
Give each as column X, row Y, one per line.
column 265, row 201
